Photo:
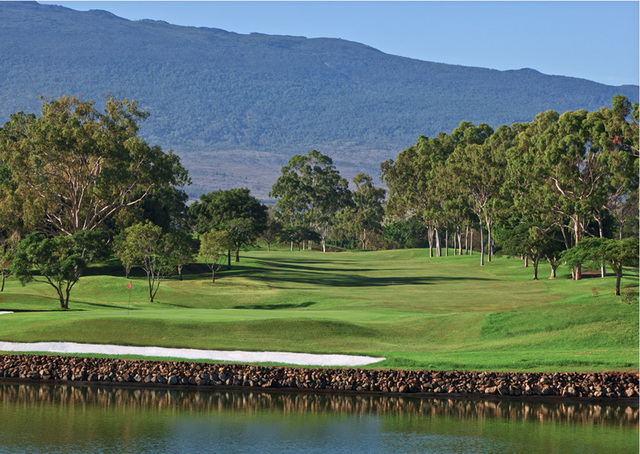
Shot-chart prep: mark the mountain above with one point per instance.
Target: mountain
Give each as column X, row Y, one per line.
column 236, row 107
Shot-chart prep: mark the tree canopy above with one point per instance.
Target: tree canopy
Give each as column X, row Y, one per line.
column 234, row 210
column 58, row 261
column 74, row 167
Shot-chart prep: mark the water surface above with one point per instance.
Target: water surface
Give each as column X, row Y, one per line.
column 57, row 419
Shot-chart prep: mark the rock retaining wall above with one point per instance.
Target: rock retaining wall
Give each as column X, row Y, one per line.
column 45, row 368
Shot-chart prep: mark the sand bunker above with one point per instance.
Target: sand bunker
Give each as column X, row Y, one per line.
column 302, row 359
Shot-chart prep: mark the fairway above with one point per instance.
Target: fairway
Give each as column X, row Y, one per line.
column 416, row 311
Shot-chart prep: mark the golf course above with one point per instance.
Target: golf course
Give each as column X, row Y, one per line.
column 418, row 312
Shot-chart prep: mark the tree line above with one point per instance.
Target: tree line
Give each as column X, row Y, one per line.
column 77, row 185
column 533, row 189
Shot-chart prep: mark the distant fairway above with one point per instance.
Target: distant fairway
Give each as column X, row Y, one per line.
column 419, row 312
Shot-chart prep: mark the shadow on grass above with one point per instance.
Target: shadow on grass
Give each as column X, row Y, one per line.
column 284, row 271
column 276, row 306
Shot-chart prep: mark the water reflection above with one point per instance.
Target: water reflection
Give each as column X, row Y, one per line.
column 250, row 402
column 50, row 418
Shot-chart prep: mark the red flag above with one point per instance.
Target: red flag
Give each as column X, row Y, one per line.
column 129, row 286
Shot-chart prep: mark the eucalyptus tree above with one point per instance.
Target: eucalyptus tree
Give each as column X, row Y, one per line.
column 58, row 261
column 476, row 169
column 413, row 184
column 76, row 166
column 147, row 246
column 271, row 232
column 233, row 210
column 522, row 236
column 529, row 225
column 213, row 247
column 310, row 192
column 585, row 170
column 8, row 246
column 617, row 253
column 615, row 129
column 367, row 212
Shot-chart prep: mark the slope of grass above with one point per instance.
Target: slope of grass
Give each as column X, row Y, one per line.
column 440, row 313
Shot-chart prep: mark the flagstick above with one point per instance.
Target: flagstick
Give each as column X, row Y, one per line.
column 129, row 307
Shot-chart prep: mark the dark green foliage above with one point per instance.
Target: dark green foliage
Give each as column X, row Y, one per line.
column 58, row 261
column 74, row 167
column 297, row 234
column 158, row 253
column 617, row 253
column 213, row 247
column 234, row 210
column 406, row 234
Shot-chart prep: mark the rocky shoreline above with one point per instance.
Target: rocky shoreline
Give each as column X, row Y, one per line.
column 106, row 371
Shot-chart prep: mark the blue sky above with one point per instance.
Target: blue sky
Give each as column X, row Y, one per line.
column 592, row 40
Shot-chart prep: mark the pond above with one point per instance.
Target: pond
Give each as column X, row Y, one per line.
column 57, row 419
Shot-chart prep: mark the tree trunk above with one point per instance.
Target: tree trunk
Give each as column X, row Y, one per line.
column 430, row 239
column 567, row 244
column 535, row 268
column 237, row 253
column 466, row 241
column 481, row 245
column 618, row 279
column 150, row 282
column 471, row 243
column 603, row 269
column 438, row 247
column 526, row 261
column 576, row 232
column 553, row 269
column 213, row 275
column 446, row 243
column 64, row 305
column 180, row 272
column 3, row 279
column 228, row 259
column 489, row 239
column 269, row 246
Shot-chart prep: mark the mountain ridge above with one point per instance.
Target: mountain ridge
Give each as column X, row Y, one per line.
column 231, row 103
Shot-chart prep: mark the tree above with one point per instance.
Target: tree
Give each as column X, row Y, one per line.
column 181, row 246
column 310, row 192
column 519, row 237
column 76, row 167
column 367, row 212
column 297, row 234
column 8, row 246
column 409, row 192
column 213, row 247
column 475, row 168
column 234, row 210
column 146, row 246
column 271, row 232
column 58, row 261
column 616, row 253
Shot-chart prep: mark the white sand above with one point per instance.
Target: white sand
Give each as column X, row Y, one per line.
column 302, row 359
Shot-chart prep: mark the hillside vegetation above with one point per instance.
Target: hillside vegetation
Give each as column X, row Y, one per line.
column 418, row 312
column 236, row 107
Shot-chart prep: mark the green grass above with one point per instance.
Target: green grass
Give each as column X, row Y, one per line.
column 418, row 312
